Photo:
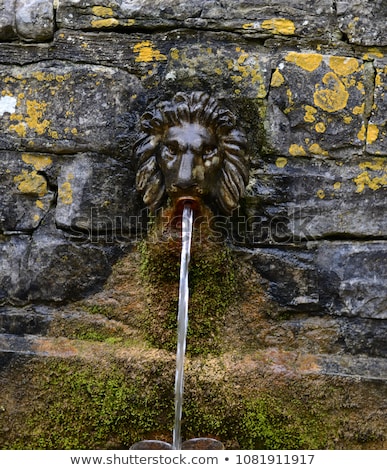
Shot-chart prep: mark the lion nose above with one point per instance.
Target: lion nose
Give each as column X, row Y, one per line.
column 185, row 177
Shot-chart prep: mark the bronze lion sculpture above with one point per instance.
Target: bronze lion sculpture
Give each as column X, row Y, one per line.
column 191, row 147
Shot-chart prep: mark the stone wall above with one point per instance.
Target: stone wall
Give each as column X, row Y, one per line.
column 307, row 81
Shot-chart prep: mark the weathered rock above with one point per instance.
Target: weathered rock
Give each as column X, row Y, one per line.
column 352, row 278
column 250, row 18
column 293, row 283
column 363, row 21
column 49, row 267
column 25, row 193
column 97, row 197
column 35, row 19
column 82, row 267
column 51, row 107
column 294, row 198
column 313, row 100
column 340, row 278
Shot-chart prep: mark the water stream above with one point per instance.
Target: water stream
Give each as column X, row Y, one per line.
column 182, row 321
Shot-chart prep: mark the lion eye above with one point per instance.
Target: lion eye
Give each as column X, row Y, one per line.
column 172, row 149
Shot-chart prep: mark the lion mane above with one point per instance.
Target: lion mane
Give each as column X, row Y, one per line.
column 196, row 107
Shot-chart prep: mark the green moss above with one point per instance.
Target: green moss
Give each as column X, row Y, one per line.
column 270, row 423
column 83, row 406
column 96, row 309
column 212, row 283
column 102, row 401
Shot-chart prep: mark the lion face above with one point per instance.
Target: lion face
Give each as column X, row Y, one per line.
column 191, row 148
column 189, row 160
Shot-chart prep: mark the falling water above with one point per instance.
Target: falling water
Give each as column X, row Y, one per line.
column 182, row 321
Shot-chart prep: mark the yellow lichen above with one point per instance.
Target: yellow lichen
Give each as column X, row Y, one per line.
column 331, row 99
column 337, row 185
column 19, row 128
column 360, row 87
column 50, row 77
column 279, row 26
column 242, row 57
column 379, row 80
column 31, row 183
column 248, row 70
column 321, row 194
column 358, row 109
column 308, row 62
column 105, row 23
column 236, row 78
column 174, row 54
column 320, row 127
column 310, row 112
column 281, row 162
column 289, row 94
column 343, row 65
column 373, row 53
column 372, row 133
column 317, row 150
column 248, row 25
column 277, row 79
column 103, row 12
column 362, row 133
column 365, row 179
column 297, row 150
column 53, row 134
column 147, row 53
column 37, row 161
column 65, row 191
column 377, row 164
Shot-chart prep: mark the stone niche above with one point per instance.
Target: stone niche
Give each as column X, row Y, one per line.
column 295, row 358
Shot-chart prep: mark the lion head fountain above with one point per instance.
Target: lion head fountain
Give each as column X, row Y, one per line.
column 191, row 149
column 192, row 161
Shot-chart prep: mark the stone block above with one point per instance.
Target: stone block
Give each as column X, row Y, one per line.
column 249, row 18
column 34, row 19
column 48, row 267
column 313, row 99
column 338, row 278
column 292, row 279
column 293, row 199
column 97, row 197
column 49, row 107
column 353, row 278
column 25, row 194
column 58, row 270
column 363, row 21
